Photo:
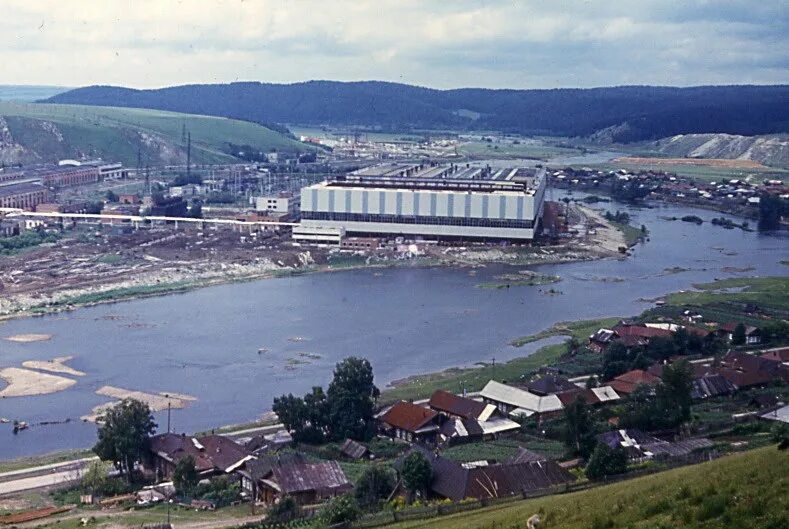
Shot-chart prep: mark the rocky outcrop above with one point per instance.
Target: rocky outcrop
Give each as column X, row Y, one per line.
column 768, row 150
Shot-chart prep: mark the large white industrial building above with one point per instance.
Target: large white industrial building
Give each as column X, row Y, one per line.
column 431, row 201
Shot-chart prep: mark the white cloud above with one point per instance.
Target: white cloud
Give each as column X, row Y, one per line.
column 153, row 43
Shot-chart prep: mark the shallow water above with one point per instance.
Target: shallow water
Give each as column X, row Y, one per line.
column 406, row 321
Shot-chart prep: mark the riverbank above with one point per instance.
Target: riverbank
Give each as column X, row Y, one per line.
column 190, row 276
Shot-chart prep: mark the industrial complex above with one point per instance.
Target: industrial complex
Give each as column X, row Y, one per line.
column 434, row 201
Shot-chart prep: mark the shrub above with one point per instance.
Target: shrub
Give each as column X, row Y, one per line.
column 339, row 510
column 284, row 510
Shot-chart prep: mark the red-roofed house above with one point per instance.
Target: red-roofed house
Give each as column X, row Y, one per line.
column 412, row 423
column 628, row 382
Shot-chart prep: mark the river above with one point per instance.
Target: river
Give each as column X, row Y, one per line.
column 405, row 320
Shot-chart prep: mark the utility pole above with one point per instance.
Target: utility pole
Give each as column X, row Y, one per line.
column 188, row 155
column 168, row 413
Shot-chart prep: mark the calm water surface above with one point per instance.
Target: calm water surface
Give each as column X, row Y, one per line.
column 406, row 321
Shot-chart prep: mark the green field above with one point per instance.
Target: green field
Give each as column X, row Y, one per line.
column 742, row 490
column 766, row 291
column 526, row 149
column 118, row 133
column 701, row 172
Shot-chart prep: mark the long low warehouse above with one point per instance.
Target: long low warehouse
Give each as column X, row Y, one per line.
column 422, row 204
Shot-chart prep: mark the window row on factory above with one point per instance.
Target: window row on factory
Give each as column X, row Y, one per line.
column 416, row 219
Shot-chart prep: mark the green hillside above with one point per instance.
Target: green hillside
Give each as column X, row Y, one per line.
column 745, row 490
column 43, row 132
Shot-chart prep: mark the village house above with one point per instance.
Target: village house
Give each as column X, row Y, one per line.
column 626, row 383
column 410, row 422
column 753, row 335
column 213, row 454
column 517, row 402
column 640, row 446
column 481, row 479
column 467, row 419
column 746, row 370
column 629, row 334
column 271, row 478
column 780, row 355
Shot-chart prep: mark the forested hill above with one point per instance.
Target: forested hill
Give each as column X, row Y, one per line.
column 628, row 113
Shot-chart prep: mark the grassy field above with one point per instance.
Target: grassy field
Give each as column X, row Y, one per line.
column 701, row 172
column 473, row 379
column 764, row 291
column 526, row 149
column 118, row 133
column 742, row 490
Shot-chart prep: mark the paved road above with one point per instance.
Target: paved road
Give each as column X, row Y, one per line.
column 41, row 481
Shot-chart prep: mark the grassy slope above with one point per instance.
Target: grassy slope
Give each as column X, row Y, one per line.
column 742, row 490
column 115, row 130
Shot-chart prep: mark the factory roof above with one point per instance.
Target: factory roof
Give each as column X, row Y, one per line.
column 16, row 188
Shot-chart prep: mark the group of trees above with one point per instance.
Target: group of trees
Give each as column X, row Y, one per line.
column 345, row 410
column 771, row 209
column 665, row 406
column 629, row 191
column 618, row 358
column 622, row 217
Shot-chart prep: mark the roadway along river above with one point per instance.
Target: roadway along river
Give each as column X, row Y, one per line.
column 406, row 321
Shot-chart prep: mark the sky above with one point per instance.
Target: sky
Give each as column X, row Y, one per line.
column 440, row 44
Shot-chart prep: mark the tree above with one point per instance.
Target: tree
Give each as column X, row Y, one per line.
column 616, row 360
column 639, row 409
column 375, row 484
column 416, row 472
column 579, row 433
column 674, row 394
column 111, row 196
column 738, row 336
column 351, row 399
column 196, row 210
column 95, row 478
column 606, row 461
column 185, row 477
column 340, row 509
column 124, row 433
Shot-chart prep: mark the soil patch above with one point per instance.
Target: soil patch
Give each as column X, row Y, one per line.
column 155, row 401
column 56, row 365
column 28, row 338
column 26, row 383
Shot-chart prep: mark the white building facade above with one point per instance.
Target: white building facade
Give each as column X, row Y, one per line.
column 433, row 208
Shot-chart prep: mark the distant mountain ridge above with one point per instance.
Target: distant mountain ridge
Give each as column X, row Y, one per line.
column 29, row 93
column 617, row 114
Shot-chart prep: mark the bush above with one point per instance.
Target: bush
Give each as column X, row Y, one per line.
column 284, row 510
column 220, row 491
column 339, row 510
column 606, row 461
column 375, row 484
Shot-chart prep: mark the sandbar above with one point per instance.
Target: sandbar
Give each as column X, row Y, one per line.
column 155, row 401
column 27, row 338
column 56, row 365
column 26, row 383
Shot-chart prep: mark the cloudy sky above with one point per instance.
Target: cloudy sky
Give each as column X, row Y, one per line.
column 443, row 44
